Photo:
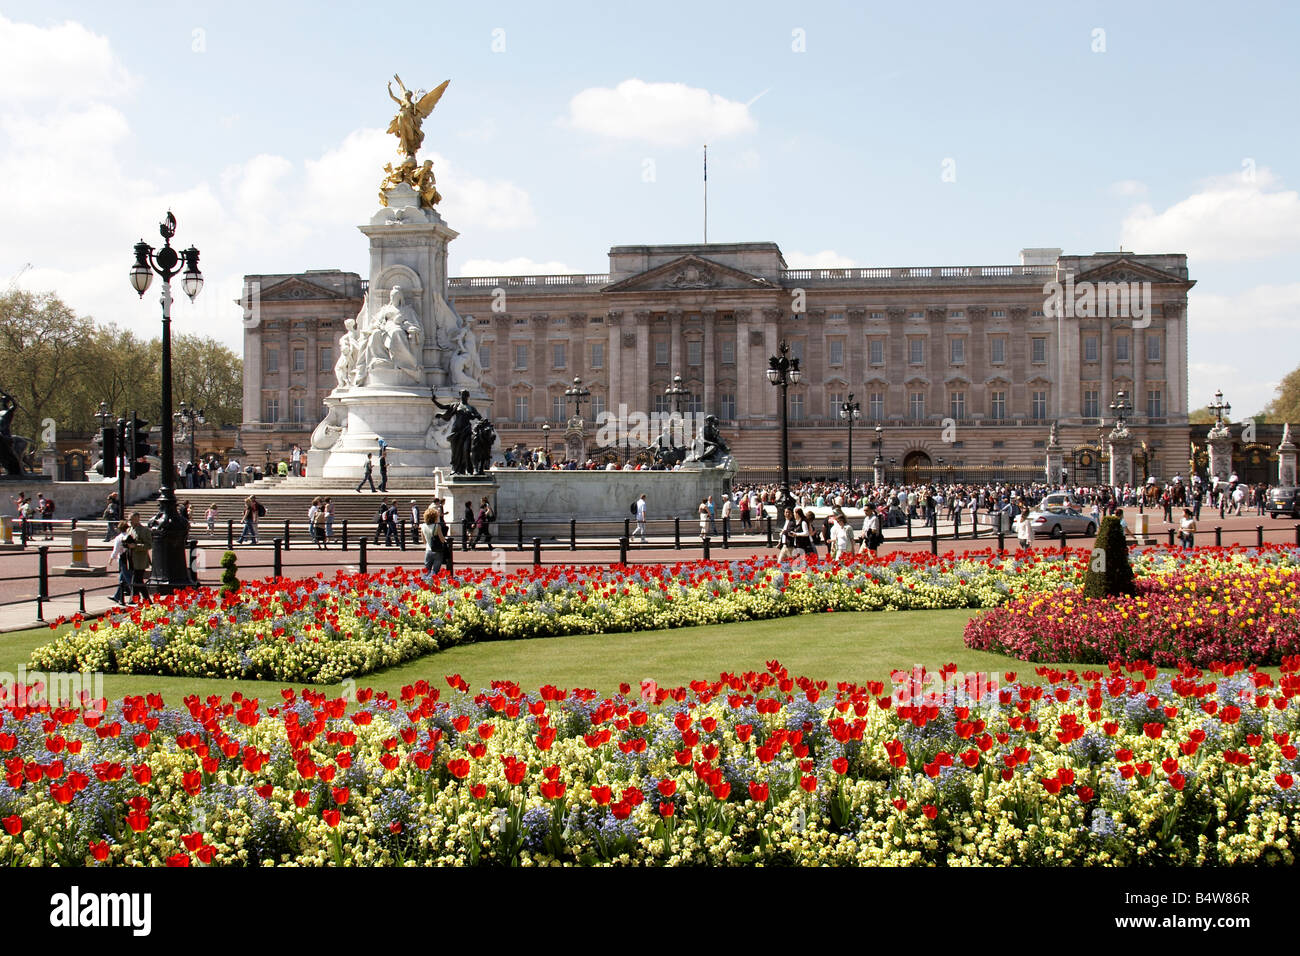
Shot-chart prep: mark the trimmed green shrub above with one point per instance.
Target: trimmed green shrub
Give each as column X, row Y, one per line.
column 1109, row 573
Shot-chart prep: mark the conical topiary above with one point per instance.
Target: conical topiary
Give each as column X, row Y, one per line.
column 229, row 581
column 1109, row 573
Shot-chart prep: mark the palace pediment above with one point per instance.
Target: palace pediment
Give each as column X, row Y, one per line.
column 691, row 273
column 296, row 289
column 1127, row 270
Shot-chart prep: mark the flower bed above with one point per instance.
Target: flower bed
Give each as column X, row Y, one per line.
column 322, row 631
column 1235, row 612
column 1110, row 766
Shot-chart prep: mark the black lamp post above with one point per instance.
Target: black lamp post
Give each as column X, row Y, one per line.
column 546, row 431
column 1120, row 407
column 1222, row 410
column 679, row 394
column 880, row 451
column 170, row 528
column 186, row 421
column 577, row 393
column 783, row 371
column 850, row 411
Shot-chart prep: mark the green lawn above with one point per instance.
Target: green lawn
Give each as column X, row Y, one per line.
column 833, row 647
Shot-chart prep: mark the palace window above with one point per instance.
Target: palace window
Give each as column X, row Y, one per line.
column 796, row 350
column 1091, row 403
column 597, row 406
column 876, row 351
column 957, row 405
column 273, row 360
column 299, row 411
column 521, row 408
column 300, row 360
column 485, row 356
column 1039, row 405
column 661, row 353
column 559, row 355
column 916, row 406
column 916, row 351
column 728, row 406
column 1153, row 347
column 1090, row 348
column 1039, row 350
column 272, row 410
column 1154, row 406
column 796, row 407
column 876, row 406
column 326, row 362
column 728, row 352
column 1121, row 348
column 997, row 351
column 956, row 351
column 559, row 410
column 837, row 352
column 997, row 405
column 695, row 352
column 598, row 355
column 521, row 359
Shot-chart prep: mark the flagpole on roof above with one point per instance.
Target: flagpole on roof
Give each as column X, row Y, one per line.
column 706, row 194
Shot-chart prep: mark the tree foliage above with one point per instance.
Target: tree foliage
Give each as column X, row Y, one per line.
column 60, row 366
column 1109, row 573
column 1285, row 407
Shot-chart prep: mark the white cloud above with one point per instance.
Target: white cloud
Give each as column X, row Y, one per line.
column 62, row 62
column 1262, row 307
column 518, row 266
column 1231, row 218
column 826, row 259
column 662, row 114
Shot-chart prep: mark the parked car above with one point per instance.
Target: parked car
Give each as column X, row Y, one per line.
column 1063, row 499
column 1284, row 501
column 1060, row 522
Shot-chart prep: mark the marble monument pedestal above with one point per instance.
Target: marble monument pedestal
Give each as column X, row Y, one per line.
column 400, row 415
column 458, row 489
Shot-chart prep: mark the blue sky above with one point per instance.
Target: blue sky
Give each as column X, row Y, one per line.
column 569, row 128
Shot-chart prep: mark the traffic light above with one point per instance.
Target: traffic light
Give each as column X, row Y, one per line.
column 139, row 445
column 108, row 441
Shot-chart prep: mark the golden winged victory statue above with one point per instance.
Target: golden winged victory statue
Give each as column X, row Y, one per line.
column 407, row 127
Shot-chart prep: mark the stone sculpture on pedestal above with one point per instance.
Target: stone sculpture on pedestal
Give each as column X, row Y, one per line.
column 462, row 416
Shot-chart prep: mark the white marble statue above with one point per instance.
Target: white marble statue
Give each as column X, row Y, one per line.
column 327, row 432
column 395, row 344
column 466, row 372
column 351, row 345
column 436, row 440
column 447, row 326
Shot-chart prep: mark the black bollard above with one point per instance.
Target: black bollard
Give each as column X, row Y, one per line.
column 909, row 527
column 230, row 534
column 276, row 569
column 769, row 528
column 401, row 536
column 1259, row 535
column 345, row 534
column 1171, row 537
column 537, row 552
column 43, row 572
column 286, row 534
column 81, row 600
column 622, row 550
column 956, row 526
column 677, row 533
column 934, row 540
column 519, row 531
column 1218, row 537
column 1002, row 540
column 706, row 547
column 361, row 561
column 1297, row 536
column 573, row 534
column 627, row 528
column 726, row 532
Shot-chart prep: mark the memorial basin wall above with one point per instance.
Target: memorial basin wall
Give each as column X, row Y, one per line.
column 606, row 495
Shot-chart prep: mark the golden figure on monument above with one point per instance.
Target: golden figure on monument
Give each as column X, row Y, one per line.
column 406, row 126
column 411, row 116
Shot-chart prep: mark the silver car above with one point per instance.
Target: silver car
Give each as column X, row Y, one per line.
column 1061, row 521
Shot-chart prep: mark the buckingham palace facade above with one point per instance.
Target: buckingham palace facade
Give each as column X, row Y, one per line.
column 963, row 367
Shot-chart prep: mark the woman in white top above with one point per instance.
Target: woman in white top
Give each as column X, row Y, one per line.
column 841, row 537
column 788, row 531
column 1024, row 529
column 212, row 518
column 871, row 533
column 1187, row 529
column 121, row 556
column 434, row 541
column 704, row 518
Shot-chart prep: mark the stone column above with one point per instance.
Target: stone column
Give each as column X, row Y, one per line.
column 1219, row 440
column 1107, row 346
column 644, row 365
column 1022, row 367
column 772, row 339
column 1055, row 463
column 614, row 362
column 1120, row 444
column 675, row 366
column 977, row 402
column 896, row 367
column 745, row 405
column 710, row 315
column 1286, row 459
column 1175, row 361
column 1139, row 374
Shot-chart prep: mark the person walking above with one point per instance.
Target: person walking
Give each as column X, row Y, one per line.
column 703, row 511
column 328, row 508
column 140, row 543
column 640, row 518
column 872, row 535
column 112, row 516
column 383, row 470
column 46, row 509
column 467, row 523
column 121, row 556
column 436, row 544
column 368, row 476
column 318, row 529
column 211, row 517
column 1024, row 529
column 252, row 511
column 1187, row 529
column 788, row 536
column 744, row 513
column 713, row 526
column 486, row 515
column 1238, row 498
column 295, row 456
column 841, row 537
column 726, row 513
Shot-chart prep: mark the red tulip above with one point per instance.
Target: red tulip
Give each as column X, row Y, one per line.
column 758, row 792
column 601, row 794
column 13, row 825
column 206, row 854
column 666, row 809
column 667, row 787
column 99, row 850
column 180, row 859
column 331, row 818
column 192, row 841
column 1177, row 781
column 809, row 783
column 478, row 791
column 900, row 804
column 1284, row 780
column 341, row 795
column 300, row 798
column 930, row 811
column 840, row 765
column 137, row 821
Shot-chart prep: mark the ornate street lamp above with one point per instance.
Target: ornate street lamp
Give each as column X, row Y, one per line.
column 170, row 528
column 1120, row 407
column 1222, row 410
column 783, row 371
column 678, row 394
column 546, row 431
column 577, row 393
column 851, row 411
